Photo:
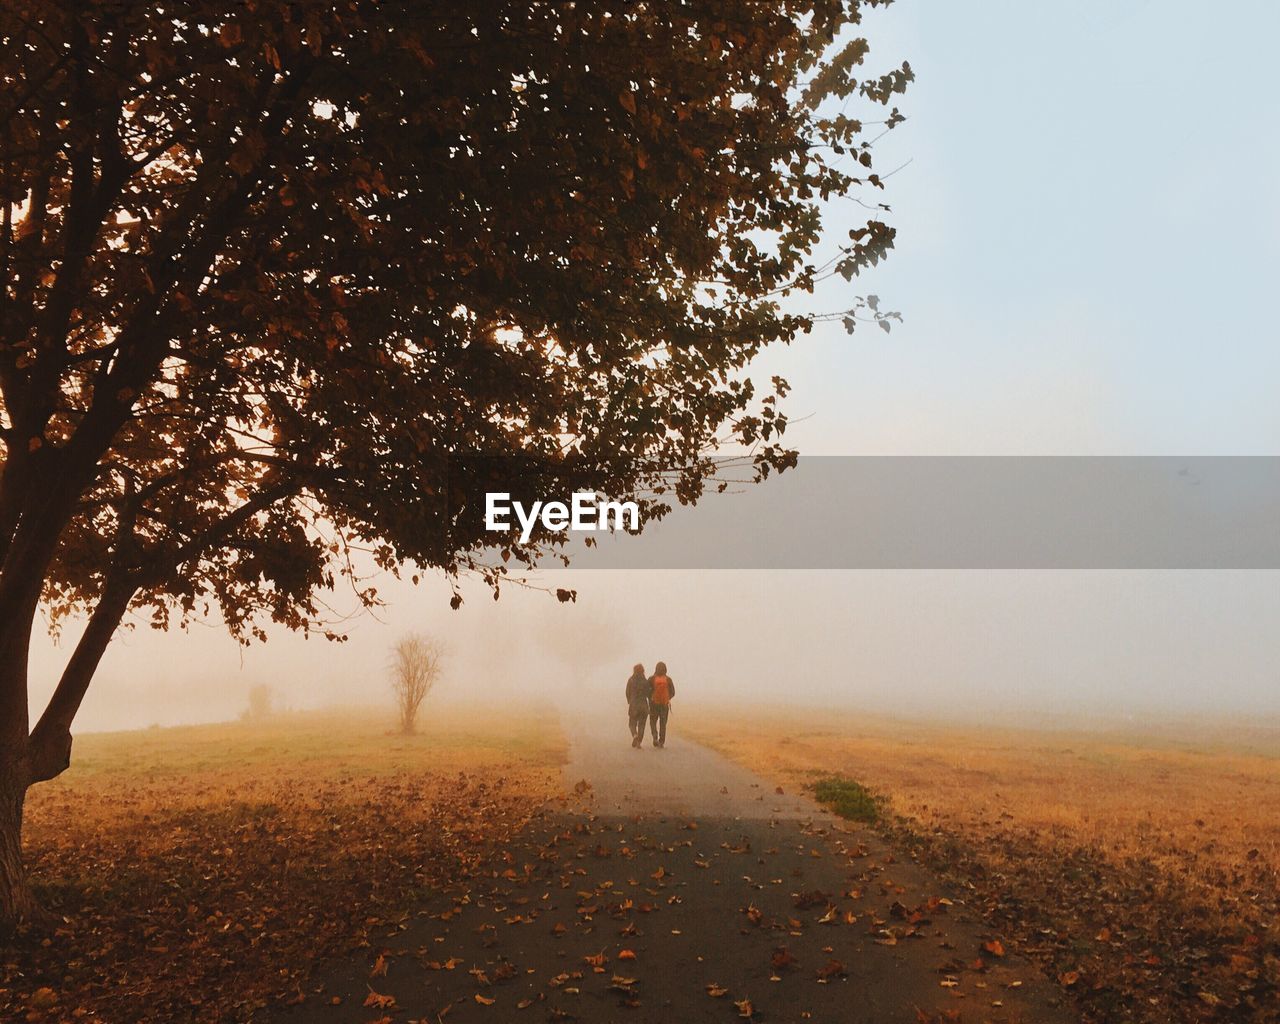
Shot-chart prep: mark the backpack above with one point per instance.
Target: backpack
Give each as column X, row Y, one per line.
column 661, row 690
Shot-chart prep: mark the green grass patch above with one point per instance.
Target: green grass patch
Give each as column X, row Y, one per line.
column 847, row 798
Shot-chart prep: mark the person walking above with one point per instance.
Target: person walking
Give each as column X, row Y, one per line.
column 638, row 690
column 661, row 690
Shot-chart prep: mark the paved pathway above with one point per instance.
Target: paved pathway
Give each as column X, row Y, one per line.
column 678, row 887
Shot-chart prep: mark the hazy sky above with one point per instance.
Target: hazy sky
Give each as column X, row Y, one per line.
column 1089, row 236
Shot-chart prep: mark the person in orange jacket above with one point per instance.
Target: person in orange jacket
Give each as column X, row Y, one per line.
column 661, row 690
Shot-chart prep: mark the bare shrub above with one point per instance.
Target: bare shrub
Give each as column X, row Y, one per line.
column 414, row 670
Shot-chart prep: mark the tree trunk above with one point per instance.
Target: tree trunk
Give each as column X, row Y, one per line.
column 16, row 902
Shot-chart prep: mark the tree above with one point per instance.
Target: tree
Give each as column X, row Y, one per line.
column 271, row 270
column 415, row 669
column 259, row 708
column 580, row 645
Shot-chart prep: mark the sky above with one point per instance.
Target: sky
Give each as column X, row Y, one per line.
column 1088, row 237
column 1088, row 216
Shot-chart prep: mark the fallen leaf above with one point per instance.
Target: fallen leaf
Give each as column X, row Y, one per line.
column 379, row 1001
column 782, row 958
column 43, row 998
column 596, row 962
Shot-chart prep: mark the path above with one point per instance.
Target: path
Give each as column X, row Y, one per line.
column 686, row 889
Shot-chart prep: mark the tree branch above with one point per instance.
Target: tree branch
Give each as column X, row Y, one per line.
column 50, row 744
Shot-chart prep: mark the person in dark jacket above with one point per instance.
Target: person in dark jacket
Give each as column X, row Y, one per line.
column 661, row 690
column 638, row 690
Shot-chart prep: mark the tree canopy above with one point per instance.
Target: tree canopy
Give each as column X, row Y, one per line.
column 270, row 270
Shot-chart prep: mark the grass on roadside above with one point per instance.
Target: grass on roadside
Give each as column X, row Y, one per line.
column 201, row 869
column 847, row 798
column 1139, row 868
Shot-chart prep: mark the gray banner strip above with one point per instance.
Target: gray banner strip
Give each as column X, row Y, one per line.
column 1220, row 512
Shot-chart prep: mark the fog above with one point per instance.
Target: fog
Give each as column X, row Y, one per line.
column 1053, row 305
column 1012, row 647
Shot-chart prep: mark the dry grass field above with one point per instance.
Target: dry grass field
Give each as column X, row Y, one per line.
column 1139, row 869
column 200, row 870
